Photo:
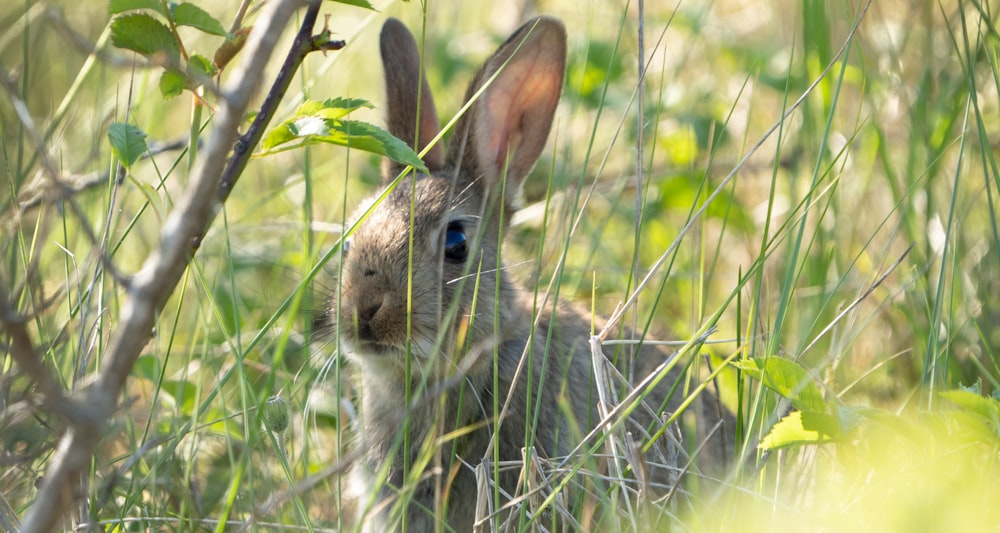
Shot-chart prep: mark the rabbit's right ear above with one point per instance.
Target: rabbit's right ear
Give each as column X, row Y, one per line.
column 504, row 132
column 412, row 116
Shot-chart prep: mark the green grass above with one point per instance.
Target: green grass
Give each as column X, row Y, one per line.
column 859, row 240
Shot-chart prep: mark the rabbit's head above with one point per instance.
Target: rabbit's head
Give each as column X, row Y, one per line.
column 420, row 275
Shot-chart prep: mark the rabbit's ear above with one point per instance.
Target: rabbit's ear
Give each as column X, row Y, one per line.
column 412, row 116
column 507, row 127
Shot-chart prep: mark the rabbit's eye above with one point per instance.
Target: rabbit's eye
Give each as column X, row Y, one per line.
column 346, row 246
column 456, row 247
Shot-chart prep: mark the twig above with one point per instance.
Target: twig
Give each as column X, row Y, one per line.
column 77, row 183
column 182, row 233
column 23, row 351
column 304, row 44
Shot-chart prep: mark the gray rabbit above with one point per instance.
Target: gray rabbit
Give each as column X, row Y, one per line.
column 456, row 370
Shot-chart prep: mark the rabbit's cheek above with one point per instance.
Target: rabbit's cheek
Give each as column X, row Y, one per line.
column 423, row 347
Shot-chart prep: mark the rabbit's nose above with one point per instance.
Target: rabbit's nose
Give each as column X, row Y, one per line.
column 368, row 312
column 365, row 316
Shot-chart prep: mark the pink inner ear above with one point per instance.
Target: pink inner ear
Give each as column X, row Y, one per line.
column 516, row 110
column 429, row 127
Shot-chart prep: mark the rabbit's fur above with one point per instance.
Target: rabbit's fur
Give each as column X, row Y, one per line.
column 425, row 308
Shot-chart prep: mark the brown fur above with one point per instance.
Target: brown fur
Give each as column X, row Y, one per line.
column 458, row 331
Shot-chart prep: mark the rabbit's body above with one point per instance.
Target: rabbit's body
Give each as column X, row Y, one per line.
column 470, row 405
column 440, row 337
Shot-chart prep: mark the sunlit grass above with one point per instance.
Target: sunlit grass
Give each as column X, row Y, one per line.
column 798, row 254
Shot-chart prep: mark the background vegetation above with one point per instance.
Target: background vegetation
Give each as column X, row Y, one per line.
column 820, row 177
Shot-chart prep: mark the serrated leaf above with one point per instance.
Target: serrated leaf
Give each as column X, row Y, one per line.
column 119, row 6
column 976, row 386
column 823, row 423
column 201, row 66
column 333, row 108
column 793, row 430
column 370, row 138
column 986, row 408
column 317, row 122
column 144, row 34
column 128, row 142
column 280, row 134
column 356, row 3
column 787, row 379
column 172, row 83
column 309, row 127
column 195, row 17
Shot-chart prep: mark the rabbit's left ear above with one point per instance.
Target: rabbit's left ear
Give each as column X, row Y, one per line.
column 506, row 129
column 411, row 113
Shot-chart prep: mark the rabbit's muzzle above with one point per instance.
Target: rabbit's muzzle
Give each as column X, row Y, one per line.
column 363, row 318
column 372, row 323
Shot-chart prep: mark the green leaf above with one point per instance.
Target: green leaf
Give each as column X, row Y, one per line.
column 319, row 122
column 144, row 34
column 986, row 408
column 172, row 83
column 309, row 127
column 787, row 379
column 225, row 307
column 147, row 367
column 796, row 429
column 350, row 133
column 332, row 108
column 195, row 17
column 184, row 393
column 128, row 142
column 119, row 6
column 201, row 66
column 149, row 193
column 821, row 422
column 356, row 3
column 364, row 136
column 280, row 134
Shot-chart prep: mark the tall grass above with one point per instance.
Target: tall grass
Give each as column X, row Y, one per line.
column 837, row 190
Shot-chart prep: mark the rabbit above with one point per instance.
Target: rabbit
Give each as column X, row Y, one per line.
column 428, row 319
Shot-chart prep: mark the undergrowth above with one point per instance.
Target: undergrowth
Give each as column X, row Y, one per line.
column 810, row 188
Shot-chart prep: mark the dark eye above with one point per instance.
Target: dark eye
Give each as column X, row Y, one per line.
column 346, row 246
column 456, row 248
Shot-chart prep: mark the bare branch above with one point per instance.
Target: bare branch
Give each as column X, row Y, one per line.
column 152, row 285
